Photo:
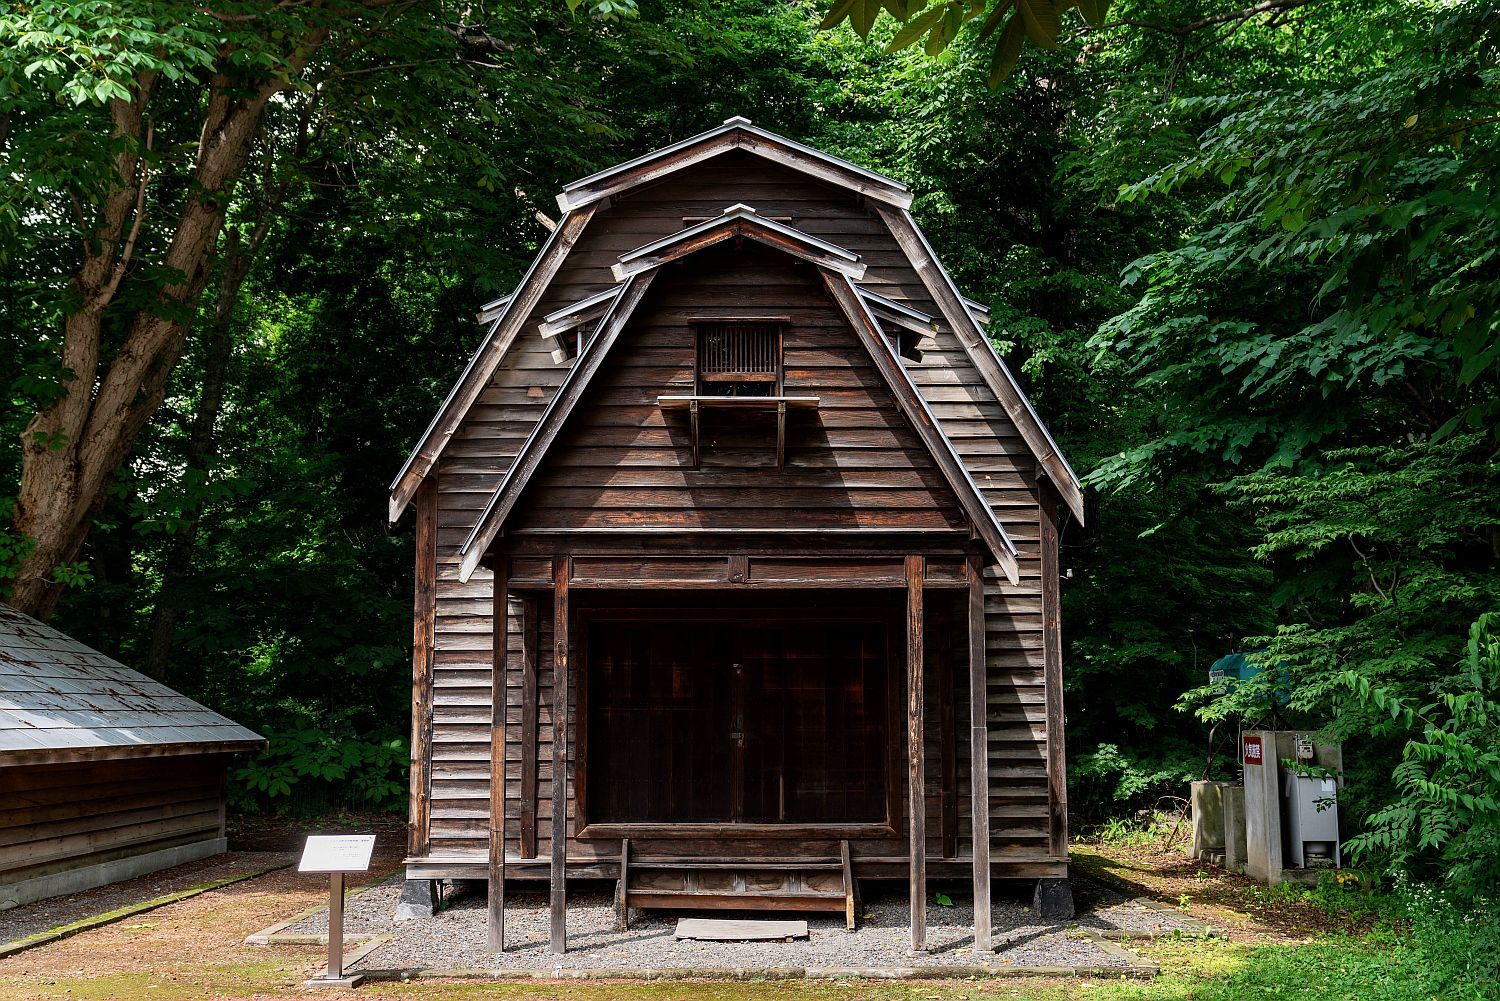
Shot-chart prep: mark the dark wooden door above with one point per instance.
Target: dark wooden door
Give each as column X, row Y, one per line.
column 751, row 719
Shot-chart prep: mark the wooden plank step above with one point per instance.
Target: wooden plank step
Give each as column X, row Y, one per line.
column 766, row 884
column 730, row 930
column 748, row 866
column 737, row 894
column 696, row 900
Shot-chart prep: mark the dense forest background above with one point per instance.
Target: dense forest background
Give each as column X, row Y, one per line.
column 1244, row 261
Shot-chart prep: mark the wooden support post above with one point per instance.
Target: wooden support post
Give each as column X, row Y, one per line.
column 979, row 756
column 916, row 571
column 530, row 724
column 851, row 888
column 1057, row 763
column 562, row 572
column 500, row 630
column 424, row 620
column 943, row 681
column 622, row 891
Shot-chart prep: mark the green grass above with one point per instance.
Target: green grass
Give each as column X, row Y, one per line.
column 1385, row 966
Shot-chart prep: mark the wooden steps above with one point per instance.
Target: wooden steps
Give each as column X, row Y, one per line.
column 777, row 884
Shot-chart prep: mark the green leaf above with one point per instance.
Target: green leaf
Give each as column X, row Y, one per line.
column 1041, row 20
column 993, row 21
column 945, row 31
column 1094, row 11
column 914, row 29
column 863, row 16
column 836, row 13
column 1007, row 51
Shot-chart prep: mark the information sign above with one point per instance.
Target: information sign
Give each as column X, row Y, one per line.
column 337, row 853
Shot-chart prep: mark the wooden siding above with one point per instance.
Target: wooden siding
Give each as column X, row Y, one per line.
column 826, row 483
column 991, row 446
column 55, row 818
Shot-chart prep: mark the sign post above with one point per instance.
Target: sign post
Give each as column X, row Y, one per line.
column 336, row 855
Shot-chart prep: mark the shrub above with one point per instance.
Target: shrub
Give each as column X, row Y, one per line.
column 1447, row 787
column 307, row 769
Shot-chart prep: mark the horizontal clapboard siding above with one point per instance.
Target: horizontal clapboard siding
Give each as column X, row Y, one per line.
column 61, row 817
column 629, row 464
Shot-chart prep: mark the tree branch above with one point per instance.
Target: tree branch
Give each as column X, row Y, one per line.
column 1272, row 7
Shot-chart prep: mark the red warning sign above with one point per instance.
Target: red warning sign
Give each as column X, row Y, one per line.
column 1252, row 755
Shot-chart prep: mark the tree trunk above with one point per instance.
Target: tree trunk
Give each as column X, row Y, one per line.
column 71, row 449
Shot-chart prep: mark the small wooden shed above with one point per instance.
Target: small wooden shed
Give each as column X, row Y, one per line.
column 736, row 559
column 104, row 773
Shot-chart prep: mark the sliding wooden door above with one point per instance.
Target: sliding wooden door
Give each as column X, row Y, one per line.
column 744, row 717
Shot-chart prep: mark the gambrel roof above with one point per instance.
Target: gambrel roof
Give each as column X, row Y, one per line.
column 735, row 133
column 581, row 200
column 838, row 268
column 62, row 701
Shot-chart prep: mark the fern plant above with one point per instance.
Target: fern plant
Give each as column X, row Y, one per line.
column 1448, row 782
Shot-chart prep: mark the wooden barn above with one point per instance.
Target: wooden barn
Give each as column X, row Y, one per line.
column 104, row 773
column 756, row 538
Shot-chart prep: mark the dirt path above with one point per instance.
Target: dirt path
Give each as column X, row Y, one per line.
column 1236, row 906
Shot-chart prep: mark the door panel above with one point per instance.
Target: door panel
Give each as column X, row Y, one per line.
column 658, row 719
column 746, row 719
column 815, row 723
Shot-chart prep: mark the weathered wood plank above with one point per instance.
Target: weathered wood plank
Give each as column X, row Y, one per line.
column 530, row 718
column 915, row 737
column 562, row 572
column 423, row 636
column 1057, row 783
column 738, row 930
column 495, row 909
column 979, row 744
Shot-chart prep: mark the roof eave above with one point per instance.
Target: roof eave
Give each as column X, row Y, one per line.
column 735, row 133
column 118, row 752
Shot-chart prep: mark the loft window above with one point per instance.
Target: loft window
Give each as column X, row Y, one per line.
column 739, row 358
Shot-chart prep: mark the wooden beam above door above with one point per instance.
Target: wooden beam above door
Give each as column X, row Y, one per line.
column 739, row 570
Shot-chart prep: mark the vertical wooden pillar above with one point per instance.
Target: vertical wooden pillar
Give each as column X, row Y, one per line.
column 530, row 724
column 949, row 737
column 1057, row 768
column 500, row 630
column 562, row 567
column 916, row 571
column 424, row 623
column 979, row 755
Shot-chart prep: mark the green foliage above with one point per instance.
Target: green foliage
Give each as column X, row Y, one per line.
column 1130, row 832
column 1319, row 352
column 1037, row 21
column 1109, row 780
column 319, row 767
column 1447, row 787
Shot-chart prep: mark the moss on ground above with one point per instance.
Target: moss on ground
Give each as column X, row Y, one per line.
column 1332, row 969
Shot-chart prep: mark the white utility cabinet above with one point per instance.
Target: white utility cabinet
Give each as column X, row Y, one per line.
column 1312, row 820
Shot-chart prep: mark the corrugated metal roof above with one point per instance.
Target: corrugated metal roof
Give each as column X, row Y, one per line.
column 58, row 695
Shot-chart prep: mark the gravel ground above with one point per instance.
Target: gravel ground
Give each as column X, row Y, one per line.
column 455, row 937
column 44, row 915
column 371, row 912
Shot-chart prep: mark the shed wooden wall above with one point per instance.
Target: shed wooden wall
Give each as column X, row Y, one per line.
column 59, row 818
column 1027, row 811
